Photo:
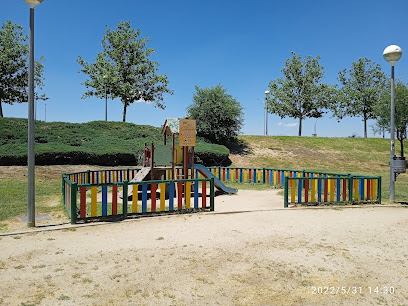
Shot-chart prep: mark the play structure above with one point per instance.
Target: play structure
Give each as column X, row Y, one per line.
column 171, row 182
column 172, row 161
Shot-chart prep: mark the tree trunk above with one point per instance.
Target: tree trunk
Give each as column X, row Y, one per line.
column 300, row 126
column 1, row 110
column 124, row 112
column 401, row 135
column 365, row 125
column 402, row 146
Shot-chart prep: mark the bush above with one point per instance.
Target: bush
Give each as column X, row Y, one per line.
column 97, row 143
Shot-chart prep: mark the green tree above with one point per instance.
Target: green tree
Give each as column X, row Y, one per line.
column 218, row 115
column 300, row 93
column 361, row 88
column 382, row 110
column 14, row 51
column 125, row 69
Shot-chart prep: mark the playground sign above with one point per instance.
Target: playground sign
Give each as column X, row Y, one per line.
column 187, row 133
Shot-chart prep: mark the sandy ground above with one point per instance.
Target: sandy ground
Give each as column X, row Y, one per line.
column 250, row 251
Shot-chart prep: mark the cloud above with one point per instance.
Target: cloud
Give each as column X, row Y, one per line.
column 288, row 125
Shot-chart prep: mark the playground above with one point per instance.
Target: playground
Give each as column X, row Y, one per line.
column 170, row 181
column 245, row 248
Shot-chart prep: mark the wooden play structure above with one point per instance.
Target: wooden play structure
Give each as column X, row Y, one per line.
column 159, row 158
column 174, row 161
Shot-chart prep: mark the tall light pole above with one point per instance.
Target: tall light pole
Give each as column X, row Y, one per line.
column 266, row 114
column 31, row 152
column 392, row 54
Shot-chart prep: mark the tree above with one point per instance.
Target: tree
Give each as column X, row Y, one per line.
column 382, row 109
column 219, row 116
column 125, row 69
column 299, row 94
column 14, row 51
column 360, row 91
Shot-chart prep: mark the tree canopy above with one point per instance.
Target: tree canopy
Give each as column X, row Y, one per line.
column 382, row 110
column 219, row 116
column 125, row 69
column 14, row 50
column 361, row 88
column 300, row 93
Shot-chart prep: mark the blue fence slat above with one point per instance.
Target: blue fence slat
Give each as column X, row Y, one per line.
column 104, row 200
column 362, row 189
column 319, row 190
column 144, row 197
column 300, row 191
column 195, row 194
column 171, row 196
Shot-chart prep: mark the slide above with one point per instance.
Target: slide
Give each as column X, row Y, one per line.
column 140, row 176
column 207, row 174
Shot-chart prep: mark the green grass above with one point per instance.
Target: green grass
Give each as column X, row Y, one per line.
column 13, row 200
column 365, row 156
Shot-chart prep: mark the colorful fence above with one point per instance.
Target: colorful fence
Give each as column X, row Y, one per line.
column 102, row 176
column 330, row 189
column 96, row 194
column 317, row 187
column 99, row 195
column 274, row 177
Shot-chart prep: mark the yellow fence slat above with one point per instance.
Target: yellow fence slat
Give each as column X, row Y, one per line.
column 134, row 198
column 94, row 194
column 188, row 194
column 162, row 196
column 313, row 195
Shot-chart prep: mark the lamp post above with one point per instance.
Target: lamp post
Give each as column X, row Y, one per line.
column 392, row 54
column 266, row 114
column 31, row 152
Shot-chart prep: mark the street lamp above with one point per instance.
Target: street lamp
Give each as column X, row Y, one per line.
column 31, row 152
column 392, row 54
column 266, row 114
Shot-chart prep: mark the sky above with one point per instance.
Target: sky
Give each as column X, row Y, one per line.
column 240, row 44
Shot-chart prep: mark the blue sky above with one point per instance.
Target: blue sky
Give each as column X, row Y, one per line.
column 241, row 44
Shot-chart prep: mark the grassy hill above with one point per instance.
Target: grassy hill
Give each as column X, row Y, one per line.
column 366, row 156
column 97, row 142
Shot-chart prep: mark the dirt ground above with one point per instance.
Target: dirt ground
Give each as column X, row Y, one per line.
column 250, row 251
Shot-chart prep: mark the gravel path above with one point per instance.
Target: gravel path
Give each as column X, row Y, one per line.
column 249, row 251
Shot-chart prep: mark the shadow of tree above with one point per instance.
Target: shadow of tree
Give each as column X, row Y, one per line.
column 238, row 146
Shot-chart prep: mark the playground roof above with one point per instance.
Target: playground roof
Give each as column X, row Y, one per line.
column 171, row 126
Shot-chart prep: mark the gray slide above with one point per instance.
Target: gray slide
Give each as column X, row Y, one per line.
column 207, row 174
column 139, row 177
